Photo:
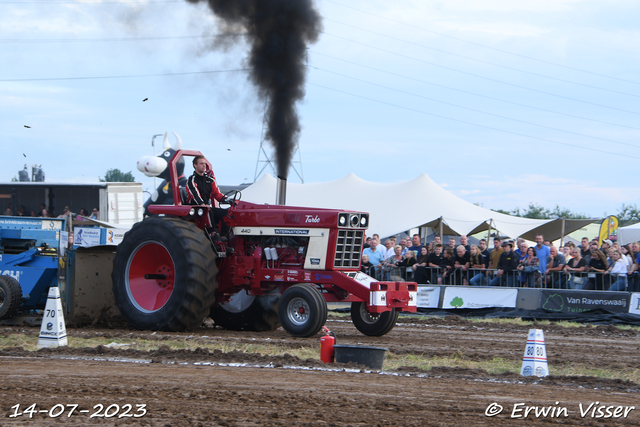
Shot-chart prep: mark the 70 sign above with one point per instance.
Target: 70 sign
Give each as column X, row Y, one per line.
column 52, row 313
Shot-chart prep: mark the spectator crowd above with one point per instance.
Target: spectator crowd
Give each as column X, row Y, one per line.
column 588, row 266
column 44, row 211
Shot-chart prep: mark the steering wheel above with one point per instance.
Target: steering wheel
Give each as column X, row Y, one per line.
column 237, row 195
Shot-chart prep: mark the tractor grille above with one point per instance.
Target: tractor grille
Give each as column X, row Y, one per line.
column 348, row 249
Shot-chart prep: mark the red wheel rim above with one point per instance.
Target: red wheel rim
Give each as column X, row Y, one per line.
column 150, row 277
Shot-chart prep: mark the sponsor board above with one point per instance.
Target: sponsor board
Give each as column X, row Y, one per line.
column 114, row 236
column 465, row 297
column 307, row 276
column 86, row 237
column 43, row 224
column 64, row 243
column 428, row 296
column 577, row 302
column 634, row 303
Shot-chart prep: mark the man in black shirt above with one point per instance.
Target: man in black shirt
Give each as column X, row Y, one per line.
column 417, row 245
column 202, row 187
column 507, row 266
column 447, row 266
column 485, row 252
column 428, row 273
column 584, row 247
column 461, row 266
column 464, row 241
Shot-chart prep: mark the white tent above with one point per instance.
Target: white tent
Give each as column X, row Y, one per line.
column 398, row 207
column 629, row 234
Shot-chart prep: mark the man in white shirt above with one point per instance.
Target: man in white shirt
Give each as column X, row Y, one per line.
column 387, row 250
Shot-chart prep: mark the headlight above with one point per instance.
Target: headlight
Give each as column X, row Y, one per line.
column 192, row 211
column 354, row 220
column 342, row 220
column 200, row 211
column 363, row 221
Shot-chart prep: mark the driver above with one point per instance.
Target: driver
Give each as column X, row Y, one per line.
column 202, row 187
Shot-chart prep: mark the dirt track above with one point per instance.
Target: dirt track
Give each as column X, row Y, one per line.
column 206, row 388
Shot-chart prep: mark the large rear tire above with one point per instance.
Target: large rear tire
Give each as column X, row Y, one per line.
column 302, row 310
column 10, row 296
column 247, row 313
column 372, row 325
column 164, row 275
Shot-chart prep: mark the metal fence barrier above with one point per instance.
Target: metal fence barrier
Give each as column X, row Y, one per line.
column 512, row 279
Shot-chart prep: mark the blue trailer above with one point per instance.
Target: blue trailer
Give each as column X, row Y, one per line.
column 31, row 250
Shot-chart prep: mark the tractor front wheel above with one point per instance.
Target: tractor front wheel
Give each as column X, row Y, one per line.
column 164, row 275
column 373, row 325
column 302, row 310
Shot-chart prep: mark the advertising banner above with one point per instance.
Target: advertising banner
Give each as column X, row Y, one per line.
column 31, row 223
column 608, row 229
column 577, row 302
column 467, row 297
column 634, row 303
column 428, row 296
column 114, row 236
column 86, row 237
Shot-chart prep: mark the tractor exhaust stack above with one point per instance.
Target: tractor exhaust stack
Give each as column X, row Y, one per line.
column 281, row 191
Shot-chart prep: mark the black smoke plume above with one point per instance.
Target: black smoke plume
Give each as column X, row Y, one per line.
column 278, row 32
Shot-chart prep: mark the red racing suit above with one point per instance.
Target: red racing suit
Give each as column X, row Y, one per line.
column 201, row 189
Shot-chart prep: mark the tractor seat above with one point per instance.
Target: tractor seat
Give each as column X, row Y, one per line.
column 184, row 199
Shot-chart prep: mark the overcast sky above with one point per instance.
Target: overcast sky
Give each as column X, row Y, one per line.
column 501, row 102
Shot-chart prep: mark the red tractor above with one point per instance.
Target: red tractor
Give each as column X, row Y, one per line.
column 280, row 266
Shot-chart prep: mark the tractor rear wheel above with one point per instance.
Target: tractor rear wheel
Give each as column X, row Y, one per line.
column 302, row 310
column 247, row 313
column 373, row 325
column 10, row 296
column 164, row 275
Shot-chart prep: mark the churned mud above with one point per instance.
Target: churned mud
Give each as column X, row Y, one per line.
column 200, row 387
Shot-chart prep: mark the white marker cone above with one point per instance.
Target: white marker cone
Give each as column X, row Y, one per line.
column 535, row 355
column 53, row 332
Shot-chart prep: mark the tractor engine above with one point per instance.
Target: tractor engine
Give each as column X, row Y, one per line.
column 283, row 244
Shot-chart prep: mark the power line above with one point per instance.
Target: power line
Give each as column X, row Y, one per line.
column 475, row 124
column 474, row 93
column 245, row 69
column 472, row 43
column 118, row 39
column 476, row 110
column 475, row 18
column 583, row 25
column 500, row 65
column 122, row 76
column 483, row 77
column 99, row 2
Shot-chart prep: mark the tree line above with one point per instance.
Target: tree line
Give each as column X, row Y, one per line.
column 627, row 214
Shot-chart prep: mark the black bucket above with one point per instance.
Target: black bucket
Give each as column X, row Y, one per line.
column 371, row 357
